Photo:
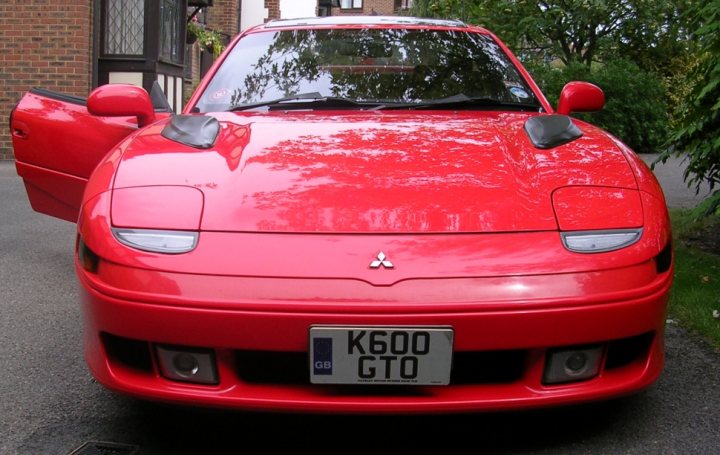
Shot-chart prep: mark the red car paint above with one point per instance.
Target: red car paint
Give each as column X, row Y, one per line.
column 291, row 207
column 580, row 96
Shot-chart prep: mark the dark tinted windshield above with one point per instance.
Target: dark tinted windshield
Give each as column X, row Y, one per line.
column 374, row 65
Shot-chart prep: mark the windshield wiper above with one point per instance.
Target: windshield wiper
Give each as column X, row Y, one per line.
column 310, row 99
column 462, row 100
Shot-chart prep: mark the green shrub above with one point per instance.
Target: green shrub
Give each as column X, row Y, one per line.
column 698, row 134
column 551, row 79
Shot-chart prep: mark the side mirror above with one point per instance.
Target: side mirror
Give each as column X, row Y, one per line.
column 580, row 97
column 121, row 100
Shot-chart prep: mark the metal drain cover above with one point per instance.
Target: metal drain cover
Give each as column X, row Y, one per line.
column 105, row 448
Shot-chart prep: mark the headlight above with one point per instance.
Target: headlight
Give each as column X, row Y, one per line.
column 157, row 241
column 600, row 241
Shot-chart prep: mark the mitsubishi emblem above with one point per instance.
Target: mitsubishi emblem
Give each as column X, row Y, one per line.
column 381, row 261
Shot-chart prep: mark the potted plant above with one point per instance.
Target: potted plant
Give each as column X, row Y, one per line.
column 193, row 28
column 210, row 40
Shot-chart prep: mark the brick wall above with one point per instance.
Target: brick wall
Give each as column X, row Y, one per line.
column 194, row 63
column 273, row 7
column 43, row 43
column 223, row 16
column 379, row 7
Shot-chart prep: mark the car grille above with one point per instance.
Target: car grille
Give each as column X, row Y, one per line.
column 493, row 367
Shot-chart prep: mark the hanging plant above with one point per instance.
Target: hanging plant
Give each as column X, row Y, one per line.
column 190, row 38
column 210, row 40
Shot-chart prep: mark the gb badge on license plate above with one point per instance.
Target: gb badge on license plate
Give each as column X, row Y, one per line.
column 381, row 355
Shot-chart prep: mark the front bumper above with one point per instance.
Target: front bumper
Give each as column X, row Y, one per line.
column 238, row 332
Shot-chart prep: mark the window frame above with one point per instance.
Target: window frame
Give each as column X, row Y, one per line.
column 403, row 5
column 352, row 5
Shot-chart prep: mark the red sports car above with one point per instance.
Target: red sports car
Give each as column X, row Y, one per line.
column 356, row 214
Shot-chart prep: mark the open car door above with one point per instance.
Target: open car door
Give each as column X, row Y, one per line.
column 57, row 145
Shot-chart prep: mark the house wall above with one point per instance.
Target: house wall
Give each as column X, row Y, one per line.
column 255, row 12
column 252, row 12
column 43, row 43
column 273, row 7
column 292, row 9
column 380, row 7
column 223, row 16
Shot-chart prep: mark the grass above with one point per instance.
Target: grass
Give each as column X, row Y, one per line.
column 696, row 290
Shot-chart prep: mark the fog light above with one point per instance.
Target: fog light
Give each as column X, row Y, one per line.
column 572, row 364
column 576, row 364
column 187, row 364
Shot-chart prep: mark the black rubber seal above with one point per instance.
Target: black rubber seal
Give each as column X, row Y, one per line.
column 59, row 96
column 159, row 100
column 199, row 131
column 548, row 131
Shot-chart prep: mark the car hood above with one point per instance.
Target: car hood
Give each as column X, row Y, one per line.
column 377, row 172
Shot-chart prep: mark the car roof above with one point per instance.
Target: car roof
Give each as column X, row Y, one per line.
column 362, row 20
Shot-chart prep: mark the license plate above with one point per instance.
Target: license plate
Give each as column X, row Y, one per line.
column 380, row 355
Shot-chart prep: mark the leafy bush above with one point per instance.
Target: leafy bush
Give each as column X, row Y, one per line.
column 635, row 100
column 551, row 79
column 698, row 135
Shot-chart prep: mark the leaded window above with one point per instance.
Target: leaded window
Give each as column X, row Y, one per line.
column 170, row 21
column 124, row 27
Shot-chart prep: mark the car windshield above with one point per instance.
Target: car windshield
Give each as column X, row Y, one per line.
column 385, row 67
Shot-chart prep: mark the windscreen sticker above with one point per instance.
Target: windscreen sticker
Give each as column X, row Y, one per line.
column 519, row 92
column 220, row 94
